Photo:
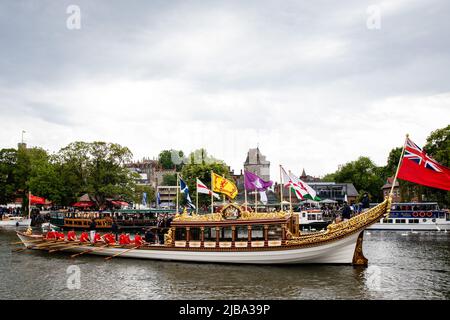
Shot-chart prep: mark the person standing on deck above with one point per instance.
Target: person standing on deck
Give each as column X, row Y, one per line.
column 346, row 211
column 92, row 227
column 115, row 229
column 365, row 202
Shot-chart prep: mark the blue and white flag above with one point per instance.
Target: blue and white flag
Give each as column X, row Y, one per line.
column 184, row 189
column 144, row 199
column 158, row 199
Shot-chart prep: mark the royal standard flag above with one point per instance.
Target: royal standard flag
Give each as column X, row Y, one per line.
column 222, row 185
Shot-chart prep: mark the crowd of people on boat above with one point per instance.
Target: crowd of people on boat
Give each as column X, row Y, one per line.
column 10, row 211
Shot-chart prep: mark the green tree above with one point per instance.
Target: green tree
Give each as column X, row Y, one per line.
column 364, row 175
column 169, row 180
column 98, row 169
column 170, row 159
column 46, row 180
column 201, row 156
column 330, row 177
column 29, row 163
column 8, row 161
column 138, row 194
column 438, row 147
column 192, row 170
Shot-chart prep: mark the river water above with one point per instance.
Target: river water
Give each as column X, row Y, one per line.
column 402, row 265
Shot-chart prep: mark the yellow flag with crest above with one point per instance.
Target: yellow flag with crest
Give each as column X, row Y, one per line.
column 222, row 185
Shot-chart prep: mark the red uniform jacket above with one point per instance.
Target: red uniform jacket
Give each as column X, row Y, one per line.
column 124, row 239
column 71, row 236
column 109, row 238
column 97, row 237
column 84, row 237
column 50, row 235
column 138, row 240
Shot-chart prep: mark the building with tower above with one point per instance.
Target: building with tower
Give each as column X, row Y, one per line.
column 256, row 163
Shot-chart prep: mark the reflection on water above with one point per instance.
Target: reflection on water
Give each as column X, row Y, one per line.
column 415, row 266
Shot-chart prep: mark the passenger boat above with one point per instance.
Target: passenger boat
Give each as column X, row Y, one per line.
column 125, row 219
column 312, row 220
column 424, row 216
column 80, row 220
column 13, row 221
column 235, row 235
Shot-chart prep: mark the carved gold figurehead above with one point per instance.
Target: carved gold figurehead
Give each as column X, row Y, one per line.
column 355, row 224
column 168, row 238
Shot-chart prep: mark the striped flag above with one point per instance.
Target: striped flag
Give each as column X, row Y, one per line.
column 202, row 188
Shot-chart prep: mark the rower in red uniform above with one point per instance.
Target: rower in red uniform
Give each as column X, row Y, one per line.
column 71, row 236
column 50, row 235
column 109, row 239
column 59, row 235
column 98, row 238
column 123, row 239
column 138, row 240
column 84, row 237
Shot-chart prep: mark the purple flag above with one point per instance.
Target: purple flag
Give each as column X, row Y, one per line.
column 253, row 182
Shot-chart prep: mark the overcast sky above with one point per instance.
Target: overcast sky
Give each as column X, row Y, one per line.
column 308, row 81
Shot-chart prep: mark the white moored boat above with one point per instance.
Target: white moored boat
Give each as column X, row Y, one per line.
column 238, row 236
column 13, row 221
column 424, row 216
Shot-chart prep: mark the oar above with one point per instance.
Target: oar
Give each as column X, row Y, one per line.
column 118, row 254
column 46, row 243
column 21, row 242
column 20, row 249
column 68, row 246
column 90, row 250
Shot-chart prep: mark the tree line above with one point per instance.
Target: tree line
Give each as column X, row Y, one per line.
column 99, row 169
column 366, row 176
column 95, row 168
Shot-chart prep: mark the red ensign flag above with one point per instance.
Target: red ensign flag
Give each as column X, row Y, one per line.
column 420, row 168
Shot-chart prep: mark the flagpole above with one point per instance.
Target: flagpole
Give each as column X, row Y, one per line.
column 290, row 194
column 223, row 176
column 281, row 189
column 178, row 186
column 256, row 201
column 29, row 204
column 245, row 194
column 398, row 167
column 212, row 193
column 196, row 193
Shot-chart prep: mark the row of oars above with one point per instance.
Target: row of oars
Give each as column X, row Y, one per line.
column 58, row 245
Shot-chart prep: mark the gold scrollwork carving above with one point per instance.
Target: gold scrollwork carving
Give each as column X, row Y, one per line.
column 337, row 230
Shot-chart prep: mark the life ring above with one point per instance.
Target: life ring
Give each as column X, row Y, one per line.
column 430, row 214
column 415, row 214
column 422, row 214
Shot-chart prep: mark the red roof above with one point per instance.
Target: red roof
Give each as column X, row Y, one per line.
column 119, row 203
column 36, row 200
column 83, row 204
